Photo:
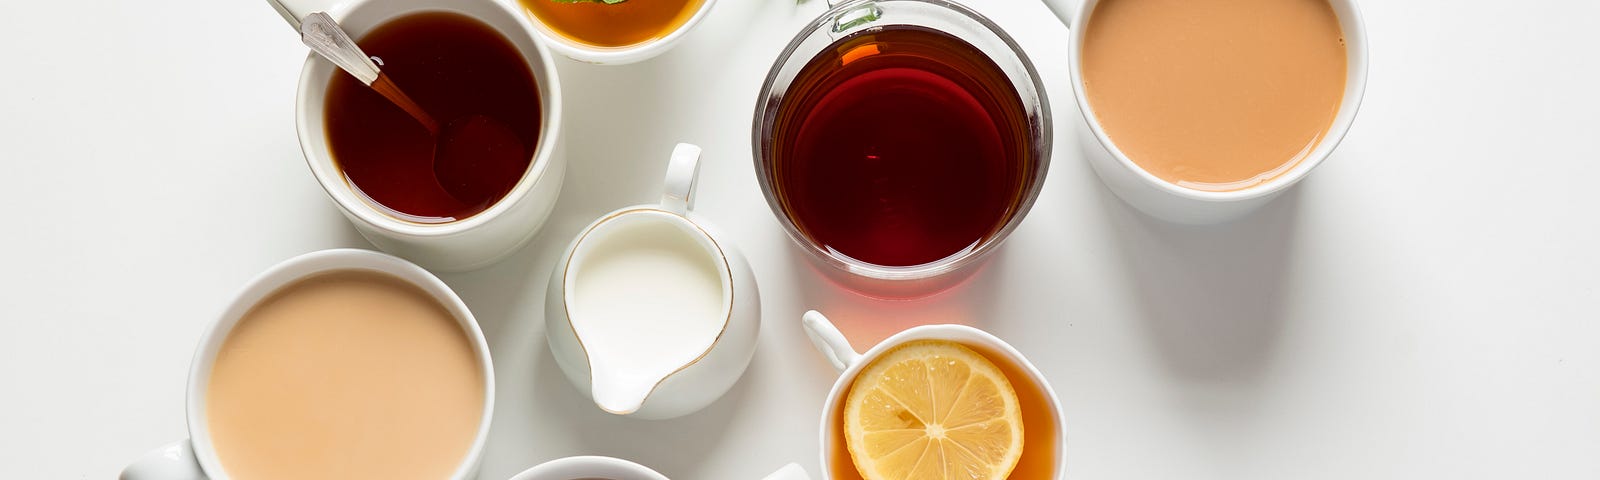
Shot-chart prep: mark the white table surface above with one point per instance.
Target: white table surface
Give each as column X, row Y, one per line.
column 1424, row 306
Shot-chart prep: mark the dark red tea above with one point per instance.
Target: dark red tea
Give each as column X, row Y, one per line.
column 901, row 147
column 454, row 67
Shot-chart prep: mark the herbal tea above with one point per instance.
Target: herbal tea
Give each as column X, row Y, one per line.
column 454, row 67
column 1039, row 426
column 901, row 146
column 601, row 24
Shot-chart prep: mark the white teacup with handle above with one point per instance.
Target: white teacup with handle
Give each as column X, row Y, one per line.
column 196, row 458
column 1172, row 202
column 460, row 245
column 1044, row 438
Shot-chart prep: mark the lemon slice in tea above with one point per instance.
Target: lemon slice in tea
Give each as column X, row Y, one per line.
column 931, row 410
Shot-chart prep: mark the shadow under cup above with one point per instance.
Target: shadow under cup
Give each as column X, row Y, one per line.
column 790, row 88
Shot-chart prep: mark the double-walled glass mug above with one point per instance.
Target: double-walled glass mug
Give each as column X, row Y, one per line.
column 901, row 177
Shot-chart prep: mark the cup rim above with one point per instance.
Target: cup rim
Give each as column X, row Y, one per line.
column 1355, row 35
column 299, row 268
column 314, row 71
column 949, row 332
column 958, row 260
column 641, row 51
column 703, row 237
column 588, row 465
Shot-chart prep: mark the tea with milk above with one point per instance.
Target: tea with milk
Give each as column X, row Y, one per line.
column 1214, row 95
column 345, row 375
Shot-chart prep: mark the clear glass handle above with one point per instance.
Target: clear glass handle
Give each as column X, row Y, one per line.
column 854, row 16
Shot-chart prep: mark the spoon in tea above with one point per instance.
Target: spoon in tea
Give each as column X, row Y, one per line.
column 476, row 158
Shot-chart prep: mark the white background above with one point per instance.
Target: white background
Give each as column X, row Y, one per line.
column 1424, row 306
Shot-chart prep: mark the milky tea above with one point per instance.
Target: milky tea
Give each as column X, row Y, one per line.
column 345, row 375
column 1214, row 95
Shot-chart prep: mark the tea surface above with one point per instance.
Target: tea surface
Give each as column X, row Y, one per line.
column 1214, row 94
column 454, row 67
column 631, row 22
column 345, row 375
column 1040, row 428
column 901, row 147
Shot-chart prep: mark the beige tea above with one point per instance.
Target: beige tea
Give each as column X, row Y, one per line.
column 1214, row 94
column 345, row 375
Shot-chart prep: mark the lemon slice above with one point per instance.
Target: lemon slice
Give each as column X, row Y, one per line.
column 930, row 410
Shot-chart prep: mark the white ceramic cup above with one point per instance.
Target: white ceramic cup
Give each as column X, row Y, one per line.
column 590, row 467
column 599, row 55
column 666, row 391
column 1166, row 200
column 470, row 243
column 587, row 467
column 836, row 348
column 195, row 458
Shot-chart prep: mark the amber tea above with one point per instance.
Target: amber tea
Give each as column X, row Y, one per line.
column 901, row 146
column 621, row 24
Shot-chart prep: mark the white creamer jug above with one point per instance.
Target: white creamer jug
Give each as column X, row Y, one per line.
column 648, row 312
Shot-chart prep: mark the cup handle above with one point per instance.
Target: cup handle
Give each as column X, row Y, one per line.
column 828, row 340
column 682, row 174
column 789, row 472
column 1064, row 9
column 175, row 461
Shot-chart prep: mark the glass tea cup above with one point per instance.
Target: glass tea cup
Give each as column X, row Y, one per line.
column 848, row 21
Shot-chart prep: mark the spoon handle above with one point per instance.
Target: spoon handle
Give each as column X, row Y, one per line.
column 323, row 35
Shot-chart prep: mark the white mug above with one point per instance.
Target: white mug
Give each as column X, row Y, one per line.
column 466, row 244
column 1169, row 201
column 617, row 55
column 196, row 458
column 836, row 348
column 589, row 467
column 665, row 391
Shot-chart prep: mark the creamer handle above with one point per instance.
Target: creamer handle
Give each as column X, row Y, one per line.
column 175, row 461
column 828, row 340
column 1064, row 9
column 789, row 472
column 683, row 170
